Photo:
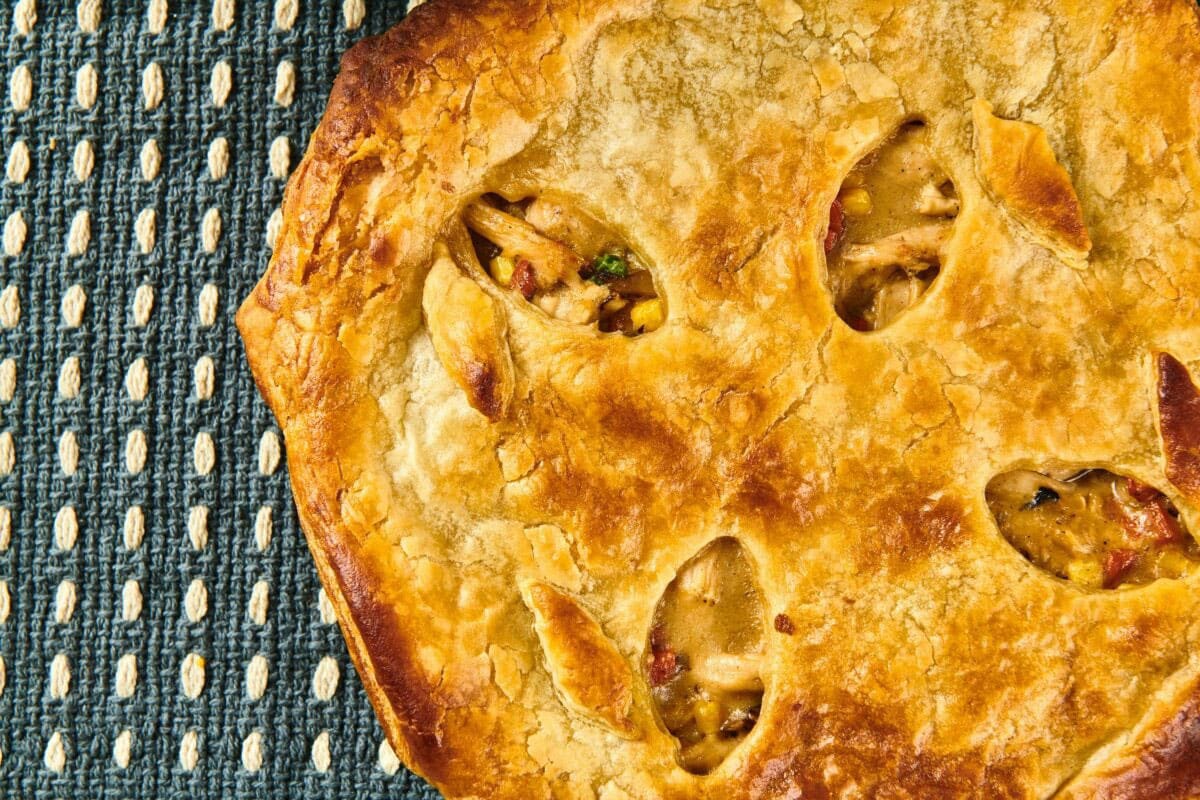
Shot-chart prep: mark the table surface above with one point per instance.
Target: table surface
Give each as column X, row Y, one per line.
column 162, row 632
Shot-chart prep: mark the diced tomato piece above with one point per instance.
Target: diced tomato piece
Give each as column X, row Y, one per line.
column 1117, row 564
column 664, row 663
column 837, row 226
column 859, row 323
column 1142, row 492
column 663, row 666
column 1161, row 524
column 1151, row 521
column 524, row 278
column 658, row 638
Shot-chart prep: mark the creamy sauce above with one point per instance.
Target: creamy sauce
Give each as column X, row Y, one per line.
column 703, row 662
column 1094, row 528
column 892, row 216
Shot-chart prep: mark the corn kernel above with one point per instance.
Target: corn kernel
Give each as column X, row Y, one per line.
column 501, row 269
column 1085, row 573
column 857, row 202
column 708, row 716
column 647, row 315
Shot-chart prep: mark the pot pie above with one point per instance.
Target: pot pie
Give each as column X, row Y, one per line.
column 757, row 399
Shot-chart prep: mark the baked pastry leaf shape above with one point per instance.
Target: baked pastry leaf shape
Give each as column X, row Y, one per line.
column 1019, row 167
column 469, row 336
column 915, row 652
column 1179, row 421
column 588, row 671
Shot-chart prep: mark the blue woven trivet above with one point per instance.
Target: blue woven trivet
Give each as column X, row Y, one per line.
column 161, row 629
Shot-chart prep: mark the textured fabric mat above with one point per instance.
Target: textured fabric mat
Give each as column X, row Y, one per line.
column 162, row 634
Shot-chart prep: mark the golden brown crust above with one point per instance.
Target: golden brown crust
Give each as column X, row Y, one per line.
column 1160, row 762
column 443, row 458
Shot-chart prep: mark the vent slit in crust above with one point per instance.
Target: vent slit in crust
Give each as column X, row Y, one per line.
column 704, row 658
column 565, row 262
column 1092, row 527
column 887, row 227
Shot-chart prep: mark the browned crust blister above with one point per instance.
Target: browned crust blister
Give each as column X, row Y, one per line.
column 497, row 500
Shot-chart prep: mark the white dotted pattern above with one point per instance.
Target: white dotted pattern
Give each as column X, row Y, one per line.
column 260, row 601
column 127, row 675
column 285, row 13
column 221, row 84
column 143, row 305
column 131, row 601
column 20, row 88
column 321, row 756
column 262, row 528
column 137, row 380
column 15, row 231
column 69, row 379
column 64, row 602
column 84, row 160
column 156, row 16
column 59, row 682
column 189, row 751
column 25, row 16
column 55, row 757
column 150, row 160
column 256, row 677
column 16, row 170
column 252, row 752
column 218, row 158
column 66, row 528
column 145, row 228
column 191, row 675
column 74, row 303
column 195, row 603
column 87, row 86
column 68, row 453
column 198, row 527
column 80, row 235
column 123, row 749
column 135, row 527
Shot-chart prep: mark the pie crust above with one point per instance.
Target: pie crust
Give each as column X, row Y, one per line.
column 499, row 494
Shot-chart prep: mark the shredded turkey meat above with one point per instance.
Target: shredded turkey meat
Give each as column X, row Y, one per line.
column 933, row 202
column 552, row 262
column 911, row 250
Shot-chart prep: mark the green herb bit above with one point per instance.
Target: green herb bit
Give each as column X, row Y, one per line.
column 608, row 267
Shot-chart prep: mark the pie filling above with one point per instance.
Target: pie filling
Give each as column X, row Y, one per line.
column 1092, row 527
column 565, row 263
column 887, row 227
column 704, row 658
